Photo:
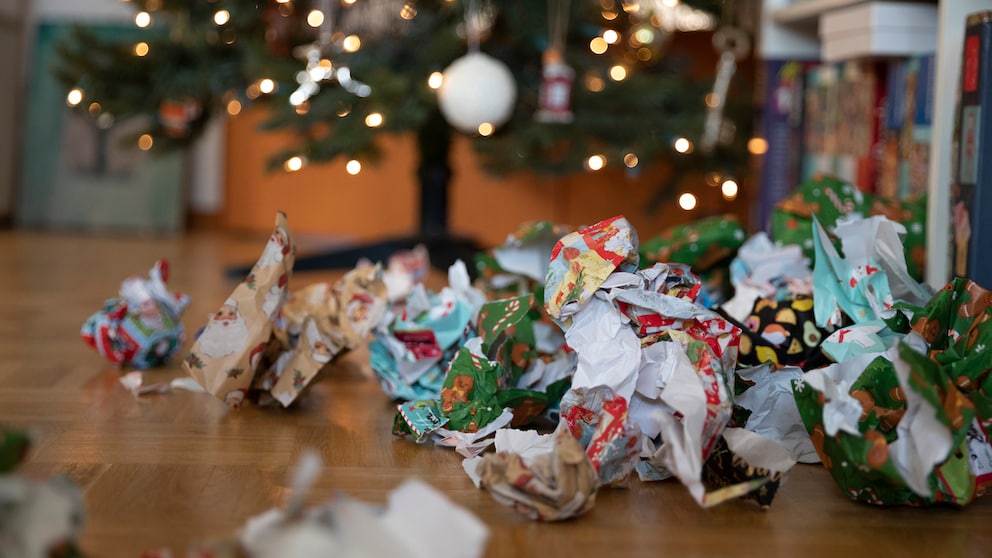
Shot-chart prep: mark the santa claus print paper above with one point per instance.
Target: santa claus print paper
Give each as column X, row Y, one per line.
column 227, row 352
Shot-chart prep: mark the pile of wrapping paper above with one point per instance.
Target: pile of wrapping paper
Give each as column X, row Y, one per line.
column 850, row 362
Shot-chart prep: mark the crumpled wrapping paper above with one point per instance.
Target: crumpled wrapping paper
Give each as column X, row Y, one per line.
column 519, row 265
column 652, row 364
column 227, row 352
column 550, row 486
column 412, row 349
column 535, row 370
column 764, row 404
column 496, row 378
column 891, row 428
column 774, row 270
column 706, row 246
column 142, row 326
column 869, row 279
column 266, row 344
column 582, row 260
column 317, row 324
column 782, row 332
column 417, row 521
column 467, row 410
column 744, row 464
column 956, row 324
column 599, row 419
column 37, row 517
column 830, row 199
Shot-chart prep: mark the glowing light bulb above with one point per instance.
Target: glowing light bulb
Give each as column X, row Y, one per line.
column 611, row 36
column 595, row 162
column 293, row 164
column 142, row 19
column 234, row 107
column 757, row 146
column 408, row 11
column 682, row 145
column 351, row 43
column 729, row 189
column 315, row 18
column 373, row 120
column 141, row 49
column 266, row 86
column 435, row 80
column 687, row 201
column 221, row 17
column 630, row 160
column 486, row 129
column 618, row 73
column 145, row 142
column 353, row 167
column 598, row 45
column 595, row 83
column 74, row 97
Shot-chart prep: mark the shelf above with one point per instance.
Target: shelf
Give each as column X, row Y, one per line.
column 807, row 12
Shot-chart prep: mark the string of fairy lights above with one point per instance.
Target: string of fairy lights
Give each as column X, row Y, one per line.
column 658, row 18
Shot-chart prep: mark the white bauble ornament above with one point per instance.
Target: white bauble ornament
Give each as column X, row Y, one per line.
column 477, row 88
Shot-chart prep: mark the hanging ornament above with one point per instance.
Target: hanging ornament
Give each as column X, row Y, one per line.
column 477, row 88
column 733, row 45
column 177, row 115
column 555, row 98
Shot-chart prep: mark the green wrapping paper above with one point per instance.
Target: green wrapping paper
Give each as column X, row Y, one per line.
column 829, row 199
column 701, row 244
column 898, row 435
column 507, row 333
column 468, row 398
column 956, row 324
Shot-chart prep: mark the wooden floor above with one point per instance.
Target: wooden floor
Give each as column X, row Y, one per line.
column 165, row 470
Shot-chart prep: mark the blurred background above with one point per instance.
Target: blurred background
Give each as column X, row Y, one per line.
column 163, row 117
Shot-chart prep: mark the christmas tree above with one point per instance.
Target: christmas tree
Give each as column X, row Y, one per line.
column 554, row 86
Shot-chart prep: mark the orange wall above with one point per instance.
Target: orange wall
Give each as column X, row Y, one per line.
column 382, row 200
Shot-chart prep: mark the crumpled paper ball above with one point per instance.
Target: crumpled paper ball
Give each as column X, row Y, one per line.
column 551, row 486
column 142, row 326
column 38, row 519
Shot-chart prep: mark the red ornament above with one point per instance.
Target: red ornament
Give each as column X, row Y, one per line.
column 555, row 98
column 177, row 115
